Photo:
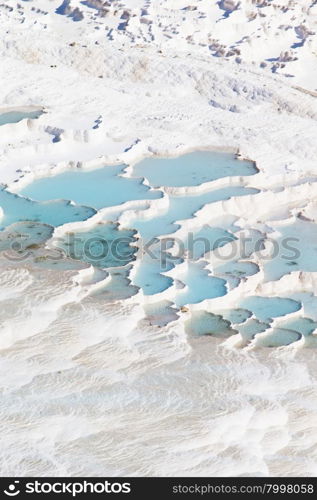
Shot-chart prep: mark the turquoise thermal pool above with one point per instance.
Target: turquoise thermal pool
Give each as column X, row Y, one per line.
column 192, row 169
column 151, row 254
column 99, row 188
column 16, row 116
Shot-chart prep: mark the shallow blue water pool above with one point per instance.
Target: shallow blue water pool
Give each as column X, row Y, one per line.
column 98, row 188
column 55, row 213
column 192, row 169
column 183, row 207
column 17, row 116
column 29, row 218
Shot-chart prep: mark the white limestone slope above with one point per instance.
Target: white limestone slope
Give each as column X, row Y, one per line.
column 119, row 81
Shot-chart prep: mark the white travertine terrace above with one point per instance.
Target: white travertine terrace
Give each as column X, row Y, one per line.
column 124, row 82
column 120, row 81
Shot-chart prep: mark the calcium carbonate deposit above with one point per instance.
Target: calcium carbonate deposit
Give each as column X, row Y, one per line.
column 158, row 237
